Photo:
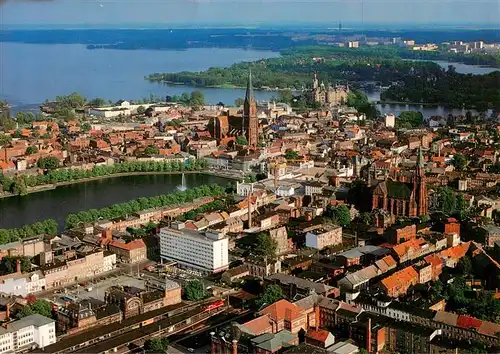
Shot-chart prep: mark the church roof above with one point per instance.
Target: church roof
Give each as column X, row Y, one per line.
column 398, row 190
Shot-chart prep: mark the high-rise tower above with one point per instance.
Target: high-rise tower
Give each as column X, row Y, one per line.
column 250, row 115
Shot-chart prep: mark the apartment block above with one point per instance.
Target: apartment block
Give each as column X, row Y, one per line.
column 26, row 333
column 203, row 251
column 322, row 238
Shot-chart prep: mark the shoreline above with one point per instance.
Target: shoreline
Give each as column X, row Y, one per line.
column 49, row 187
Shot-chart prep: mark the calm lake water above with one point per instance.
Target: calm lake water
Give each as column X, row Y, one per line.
column 465, row 68
column 32, row 73
column 58, row 203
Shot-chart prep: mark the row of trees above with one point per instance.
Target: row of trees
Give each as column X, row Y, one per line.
column 127, row 208
column 196, row 98
column 18, row 185
column 49, row 227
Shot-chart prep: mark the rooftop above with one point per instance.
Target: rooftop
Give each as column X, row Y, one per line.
column 300, row 283
column 35, row 320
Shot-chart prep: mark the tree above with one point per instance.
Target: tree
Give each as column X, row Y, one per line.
column 30, row 150
column 272, row 293
column 360, row 196
column 459, row 161
column 197, row 98
column 5, row 139
column 342, row 215
column 152, row 150
column 48, row 163
column 266, row 246
column 239, row 102
column 241, row 140
column 446, row 200
column 424, row 218
column 286, row 96
column 40, row 307
column 7, row 123
column 413, row 119
column 194, row 290
column 98, row 102
column 157, row 345
column 464, row 266
column 365, row 218
column 292, row 155
column 85, row 126
column 141, row 110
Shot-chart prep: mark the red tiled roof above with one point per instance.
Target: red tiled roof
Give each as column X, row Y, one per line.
column 128, row 246
column 468, row 322
column 278, row 310
column 258, row 325
column 320, row 335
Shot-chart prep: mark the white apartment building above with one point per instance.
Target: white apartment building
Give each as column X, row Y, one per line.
column 34, row 331
column 207, row 252
column 320, row 239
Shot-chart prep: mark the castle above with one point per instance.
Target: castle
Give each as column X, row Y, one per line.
column 329, row 96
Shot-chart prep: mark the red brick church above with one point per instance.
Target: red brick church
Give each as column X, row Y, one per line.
column 399, row 198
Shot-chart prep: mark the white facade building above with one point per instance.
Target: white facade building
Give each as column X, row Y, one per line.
column 109, row 262
column 36, row 282
column 390, row 120
column 320, row 239
column 29, row 332
column 207, row 252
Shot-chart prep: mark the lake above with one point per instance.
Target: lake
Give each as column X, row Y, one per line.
column 58, row 203
column 427, row 111
column 32, row 73
column 463, row 68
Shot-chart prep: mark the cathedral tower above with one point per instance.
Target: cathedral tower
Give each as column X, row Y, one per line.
column 250, row 121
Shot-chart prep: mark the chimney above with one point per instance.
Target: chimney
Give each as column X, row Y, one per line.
column 235, row 346
column 369, row 335
column 18, row 266
column 7, row 312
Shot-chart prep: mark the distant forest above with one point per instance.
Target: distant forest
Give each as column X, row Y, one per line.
column 408, row 81
column 263, row 39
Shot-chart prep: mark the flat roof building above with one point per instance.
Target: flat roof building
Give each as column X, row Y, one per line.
column 203, row 251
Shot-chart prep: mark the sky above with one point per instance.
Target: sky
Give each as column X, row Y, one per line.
column 247, row 12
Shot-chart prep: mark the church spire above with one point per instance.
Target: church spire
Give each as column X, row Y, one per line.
column 420, row 159
column 250, row 121
column 249, row 94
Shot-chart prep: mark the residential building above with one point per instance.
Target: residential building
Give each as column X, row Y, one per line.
column 398, row 283
column 133, row 252
column 294, row 287
column 280, row 235
column 322, row 238
column 206, row 252
column 34, row 331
